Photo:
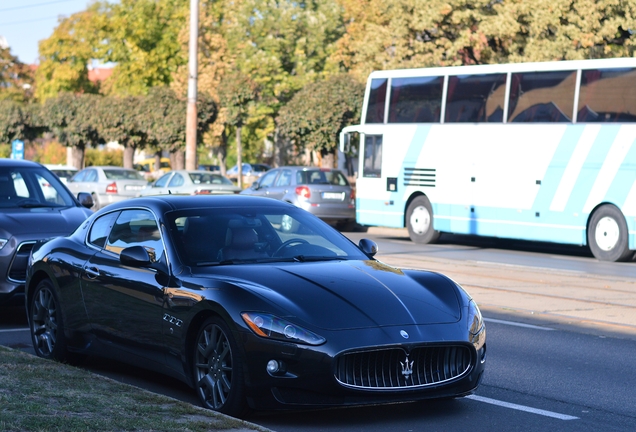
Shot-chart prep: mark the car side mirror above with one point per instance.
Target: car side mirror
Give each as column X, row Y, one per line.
column 135, row 256
column 85, row 199
column 369, row 247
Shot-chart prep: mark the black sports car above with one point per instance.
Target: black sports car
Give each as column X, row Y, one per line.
column 253, row 302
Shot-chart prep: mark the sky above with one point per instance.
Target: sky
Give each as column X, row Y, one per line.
column 23, row 23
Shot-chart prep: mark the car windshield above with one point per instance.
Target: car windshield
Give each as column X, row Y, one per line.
column 122, row 175
column 226, row 236
column 204, row 178
column 31, row 187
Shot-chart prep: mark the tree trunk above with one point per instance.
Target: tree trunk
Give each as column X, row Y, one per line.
column 78, row 157
column 222, row 153
column 239, row 159
column 328, row 159
column 179, row 159
column 157, row 160
column 129, row 154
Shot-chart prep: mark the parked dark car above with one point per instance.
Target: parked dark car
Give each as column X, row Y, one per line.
column 323, row 192
column 34, row 206
column 211, row 290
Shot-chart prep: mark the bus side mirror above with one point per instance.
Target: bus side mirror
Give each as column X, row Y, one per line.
column 345, row 142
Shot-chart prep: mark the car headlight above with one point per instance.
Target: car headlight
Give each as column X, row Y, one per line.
column 476, row 327
column 272, row 327
column 3, row 242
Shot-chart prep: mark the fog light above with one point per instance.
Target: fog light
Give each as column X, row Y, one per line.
column 273, row 366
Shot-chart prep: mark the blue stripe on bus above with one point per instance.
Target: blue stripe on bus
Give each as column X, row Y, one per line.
column 589, row 173
column 554, row 174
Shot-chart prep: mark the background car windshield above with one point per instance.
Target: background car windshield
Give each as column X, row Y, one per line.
column 263, row 234
column 32, row 187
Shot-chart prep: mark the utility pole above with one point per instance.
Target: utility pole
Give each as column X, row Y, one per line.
column 191, row 120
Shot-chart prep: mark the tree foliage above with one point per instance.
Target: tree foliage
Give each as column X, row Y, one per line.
column 71, row 117
column 16, row 78
column 387, row 34
column 316, row 114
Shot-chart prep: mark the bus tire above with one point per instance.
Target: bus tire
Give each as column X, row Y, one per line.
column 419, row 221
column 607, row 235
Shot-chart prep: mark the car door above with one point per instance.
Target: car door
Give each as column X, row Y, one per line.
column 282, row 185
column 264, row 185
column 124, row 303
column 175, row 184
column 159, row 187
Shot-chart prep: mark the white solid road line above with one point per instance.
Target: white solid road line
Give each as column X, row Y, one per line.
column 13, row 330
column 521, row 408
column 516, row 324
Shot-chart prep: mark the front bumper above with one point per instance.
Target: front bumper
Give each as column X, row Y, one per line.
column 309, row 375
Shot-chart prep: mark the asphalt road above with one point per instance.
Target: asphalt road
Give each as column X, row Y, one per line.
column 561, row 343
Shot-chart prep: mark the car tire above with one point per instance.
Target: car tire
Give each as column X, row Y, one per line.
column 47, row 324
column 607, row 235
column 218, row 369
column 419, row 221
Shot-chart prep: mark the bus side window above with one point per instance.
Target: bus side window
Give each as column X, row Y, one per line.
column 377, row 98
column 475, row 98
column 416, row 100
column 372, row 156
column 607, row 95
column 542, row 97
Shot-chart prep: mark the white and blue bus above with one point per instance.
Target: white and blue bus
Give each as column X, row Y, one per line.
column 534, row 151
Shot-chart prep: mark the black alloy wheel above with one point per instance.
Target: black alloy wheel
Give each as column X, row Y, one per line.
column 47, row 327
column 218, row 370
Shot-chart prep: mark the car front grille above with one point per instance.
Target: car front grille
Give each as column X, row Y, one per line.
column 17, row 270
column 396, row 369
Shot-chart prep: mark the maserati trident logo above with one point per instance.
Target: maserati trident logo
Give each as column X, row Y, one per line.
column 404, row 334
column 407, row 368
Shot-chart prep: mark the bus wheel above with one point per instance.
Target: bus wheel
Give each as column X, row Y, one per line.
column 419, row 221
column 607, row 235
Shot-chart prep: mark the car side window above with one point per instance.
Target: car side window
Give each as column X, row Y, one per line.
column 91, row 176
column 285, row 178
column 79, row 176
column 163, row 180
column 136, row 228
column 177, row 180
column 268, row 179
column 100, row 229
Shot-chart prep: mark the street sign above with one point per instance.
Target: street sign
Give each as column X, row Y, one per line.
column 17, row 149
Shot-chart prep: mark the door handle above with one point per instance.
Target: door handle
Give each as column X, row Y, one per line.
column 92, row 272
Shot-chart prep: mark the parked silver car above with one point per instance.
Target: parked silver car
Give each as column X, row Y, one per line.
column 190, row 182
column 323, row 192
column 107, row 184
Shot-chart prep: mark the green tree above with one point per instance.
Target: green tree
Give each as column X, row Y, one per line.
column 16, row 78
column 238, row 94
column 316, row 115
column 142, row 38
column 118, row 119
column 388, row 34
column 18, row 121
column 66, row 54
column 71, row 117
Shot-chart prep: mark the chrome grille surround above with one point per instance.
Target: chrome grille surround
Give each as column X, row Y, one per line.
column 399, row 369
column 18, row 266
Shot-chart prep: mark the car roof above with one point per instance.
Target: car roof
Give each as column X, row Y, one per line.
column 164, row 203
column 18, row 163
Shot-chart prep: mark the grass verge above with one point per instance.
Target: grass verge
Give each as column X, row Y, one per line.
column 42, row 395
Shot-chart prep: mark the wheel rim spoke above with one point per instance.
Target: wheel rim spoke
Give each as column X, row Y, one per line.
column 213, row 365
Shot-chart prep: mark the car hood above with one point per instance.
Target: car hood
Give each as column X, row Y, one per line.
column 350, row 294
column 38, row 222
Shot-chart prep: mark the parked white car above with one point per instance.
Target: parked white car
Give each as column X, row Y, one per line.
column 188, row 182
column 107, row 184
